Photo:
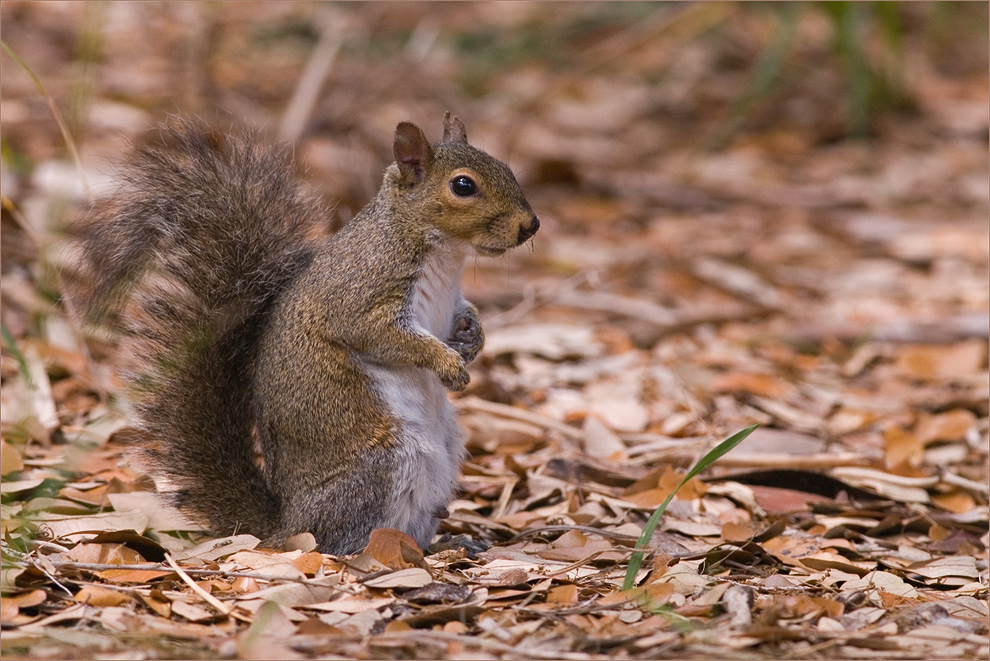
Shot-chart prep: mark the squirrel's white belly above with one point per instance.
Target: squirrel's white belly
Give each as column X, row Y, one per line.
column 430, row 440
column 428, row 451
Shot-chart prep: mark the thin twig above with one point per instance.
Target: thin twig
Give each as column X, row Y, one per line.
column 503, row 499
column 737, row 281
column 534, row 296
column 580, row 563
column 477, row 404
column 808, row 461
column 209, row 598
column 969, row 485
column 532, row 532
column 52, row 578
column 311, row 81
column 758, row 459
column 625, row 306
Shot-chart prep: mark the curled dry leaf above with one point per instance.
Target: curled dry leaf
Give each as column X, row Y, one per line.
column 214, row 549
column 395, row 549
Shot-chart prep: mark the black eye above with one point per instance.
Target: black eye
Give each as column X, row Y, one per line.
column 463, row 186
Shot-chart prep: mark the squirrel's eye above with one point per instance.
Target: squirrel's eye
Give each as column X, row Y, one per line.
column 463, row 186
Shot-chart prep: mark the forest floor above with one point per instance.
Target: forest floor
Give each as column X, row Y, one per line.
column 713, row 254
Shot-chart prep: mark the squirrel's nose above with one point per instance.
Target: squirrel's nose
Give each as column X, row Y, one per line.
column 526, row 231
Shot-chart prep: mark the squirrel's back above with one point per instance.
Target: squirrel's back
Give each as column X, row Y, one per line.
column 186, row 260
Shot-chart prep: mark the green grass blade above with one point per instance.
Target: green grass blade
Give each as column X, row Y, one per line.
column 714, row 455
column 765, row 75
column 53, row 108
column 12, row 345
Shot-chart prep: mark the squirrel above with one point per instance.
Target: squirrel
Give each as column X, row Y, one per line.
column 247, row 326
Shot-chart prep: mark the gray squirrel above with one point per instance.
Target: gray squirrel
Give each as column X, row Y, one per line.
column 246, row 326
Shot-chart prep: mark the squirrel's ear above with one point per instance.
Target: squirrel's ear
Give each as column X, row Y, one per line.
column 453, row 129
column 413, row 153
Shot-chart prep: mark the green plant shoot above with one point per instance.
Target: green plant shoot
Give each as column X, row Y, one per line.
column 714, row 455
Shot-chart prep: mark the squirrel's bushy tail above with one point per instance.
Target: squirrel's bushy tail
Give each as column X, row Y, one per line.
column 186, row 261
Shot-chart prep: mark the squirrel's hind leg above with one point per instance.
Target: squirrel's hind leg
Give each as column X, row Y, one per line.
column 343, row 510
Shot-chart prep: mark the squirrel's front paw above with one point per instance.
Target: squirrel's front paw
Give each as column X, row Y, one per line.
column 459, row 382
column 454, row 376
column 467, row 338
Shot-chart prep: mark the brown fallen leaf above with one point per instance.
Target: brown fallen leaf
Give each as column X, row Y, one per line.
column 904, row 453
column 442, row 614
column 214, row 549
column 11, row 604
column 574, row 546
column 733, row 531
column 192, row 612
column 244, row 584
column 508, row 578
column 132, row 575
column 442, row 593
column 414, row 577
column 793, row 606
column 949, row 426
column 941, row 568
column 290, row 595
column 309, row 563
column 159, row 606
column 95, row 595
column 602, row 442
column 105, row 554
column 314, row 626
column 395, row 549
column 351, row 605
column 149, row 549
column 304, row 541
column 647, row 597
column 956, row 501
column 10, row 459
column 822, row 560
column 654, row 487
column 930, row 362
column 563, row 594
column 67, row 526
column 271, row 565
column 28, row 598
column 96, row 496
column 765, row 385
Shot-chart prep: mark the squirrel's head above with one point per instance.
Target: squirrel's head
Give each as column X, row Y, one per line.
column 467, row 194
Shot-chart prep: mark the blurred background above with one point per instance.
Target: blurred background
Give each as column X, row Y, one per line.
column 810, row 172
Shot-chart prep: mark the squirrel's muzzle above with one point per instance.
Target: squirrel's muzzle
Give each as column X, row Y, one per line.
column 526, row 231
